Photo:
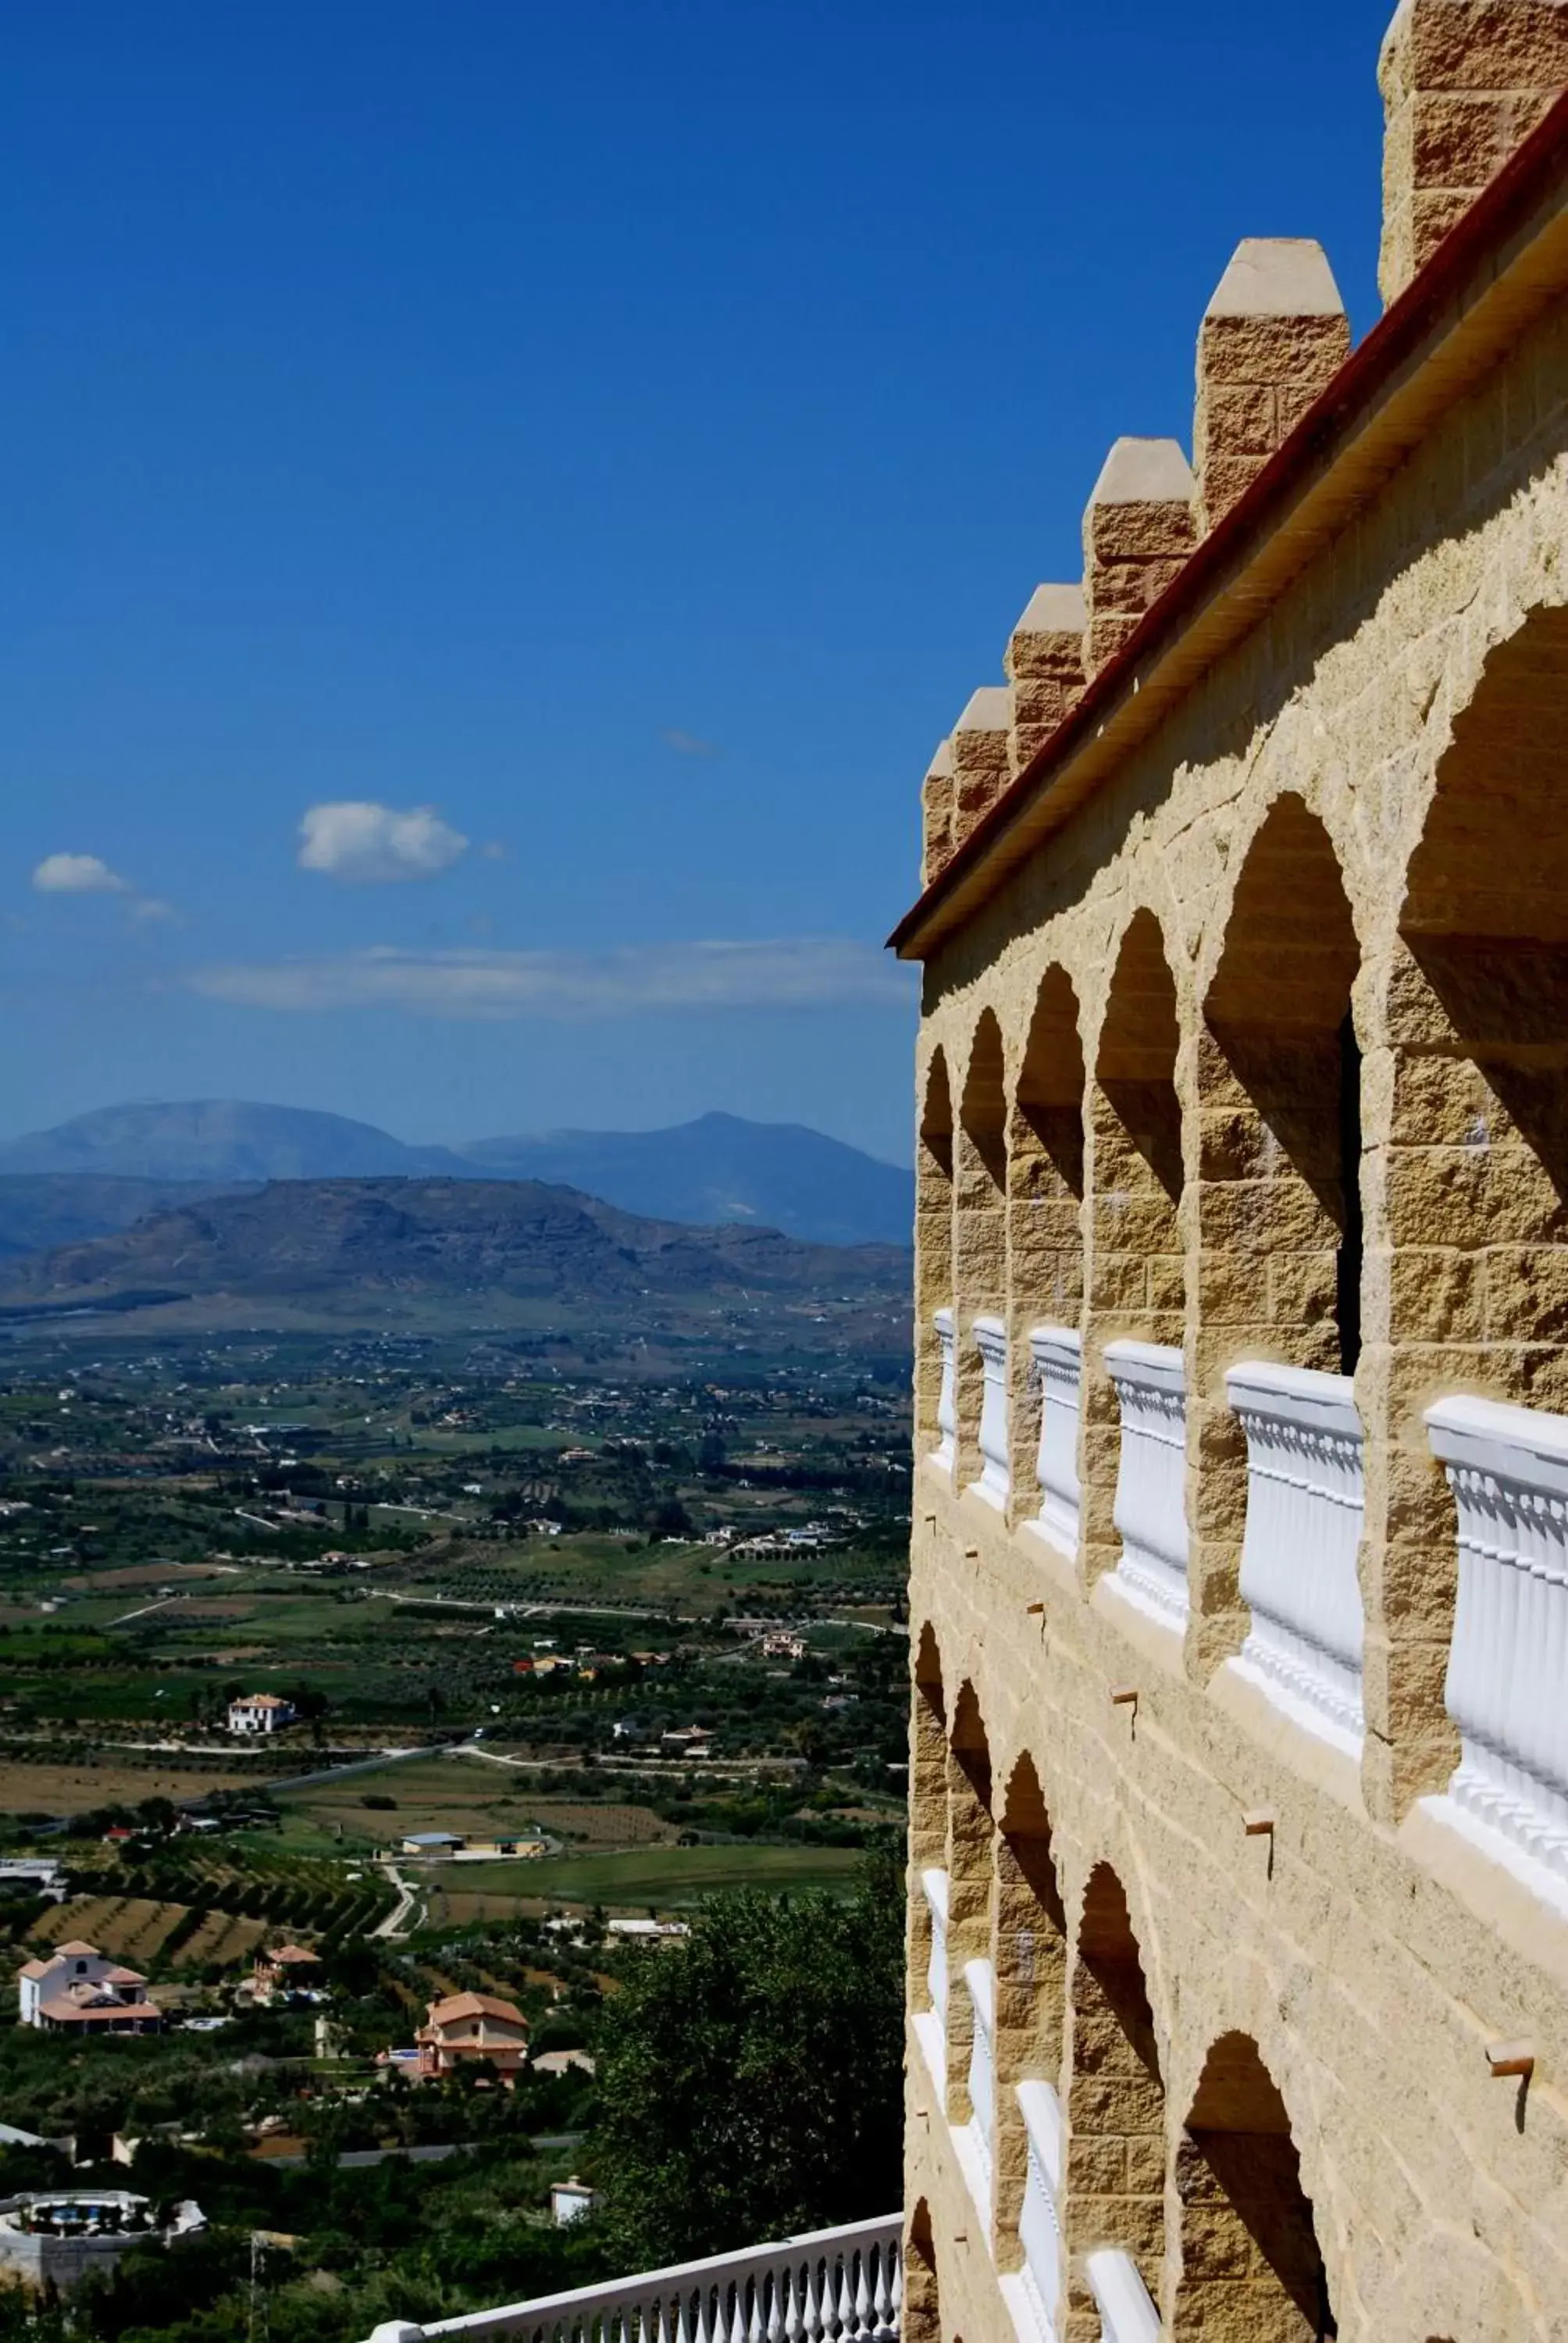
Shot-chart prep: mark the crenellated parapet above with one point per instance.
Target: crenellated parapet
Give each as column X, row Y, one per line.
column 1045, row 667
column 1138, row 529
column 1272, row 338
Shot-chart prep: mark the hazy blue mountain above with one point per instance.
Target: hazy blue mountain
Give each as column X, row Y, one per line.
column 222, row 1139
column 718, row 1169
column 776, row 1175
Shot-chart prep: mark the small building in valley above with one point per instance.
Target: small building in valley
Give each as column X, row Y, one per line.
column 59, row 2238
column 285, row 1970
column 80, row 1990
column 260, row 1712
column 465, row 2028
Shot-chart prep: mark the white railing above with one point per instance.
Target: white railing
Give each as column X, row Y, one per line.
column 947, row 1447
column 995, row 1465
column 1126, row 2313
column 1305, row 1499
column 931, row 2025
column 1150, row 1508
column 834, row 2286
column 983, row 2065
column 1039, row 2222
column 1507, row 1687
column 1057, row 1357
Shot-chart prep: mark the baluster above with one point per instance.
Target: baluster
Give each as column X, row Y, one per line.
column 701, row 2332
column 754, row 2323
column 738, row 2313
column 880, row 2303
column 862, row 2297
column 811, row 2315
column 792, row 2307
column 680, row 2335
column 846, row 2300
column 894, row 2251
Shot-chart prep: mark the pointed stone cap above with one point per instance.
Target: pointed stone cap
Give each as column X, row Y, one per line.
column 1144, row 472
column 1277, row 276
column 1053, row 610
column 990, row 711
column 941, row 764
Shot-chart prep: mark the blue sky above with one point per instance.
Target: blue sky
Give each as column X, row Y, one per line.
column 612, row 442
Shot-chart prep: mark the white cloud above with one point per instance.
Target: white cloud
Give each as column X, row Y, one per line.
column 796, row 972
column 77, row 874
column 150, row 910
column 687, row 744
column 365, row 844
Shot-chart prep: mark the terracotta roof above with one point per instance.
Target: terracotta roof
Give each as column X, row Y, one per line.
column 76, row 1950
column 115, row 1975
column 260, row 1700
column 292, row 1953
column 459, row 2006
column 72, row 2012
column 1218, row 594
column 35, row 1968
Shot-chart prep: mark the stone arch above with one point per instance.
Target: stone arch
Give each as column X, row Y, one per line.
column 921, row 2318
column 933, row 1243
column 1116, row 2098
column 980, row 1221
column 928, row 1815
column 1031, row 1958
column 970, row 1832
column 1135, row 1272
column 1279, row 1075
column 1045, row 1168
column 1248, row 2260
column 1473, row 1216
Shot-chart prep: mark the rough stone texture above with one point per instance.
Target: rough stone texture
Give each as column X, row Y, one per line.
column 1361, row 805
column 980, row 748
column 1274, row 335
column 937, row 809
column 1463, row 81
column 1138, row 530
column 1045, row 667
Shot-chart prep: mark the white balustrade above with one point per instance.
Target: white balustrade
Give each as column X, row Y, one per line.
column 931, row 2025
column 833, row 2286
column 1150, row 1508
column 1305, row 1498
column 1126, row 2313
column 995, row 1465
column 1057, row 1357
column 1039, row 2222
column 982, row 2067
column 947, row 1448
column 1507, row 1687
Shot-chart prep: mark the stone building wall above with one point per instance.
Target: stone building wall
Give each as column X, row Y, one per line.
column 1264, row 1057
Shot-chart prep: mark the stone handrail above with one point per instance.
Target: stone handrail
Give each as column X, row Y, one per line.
column 1058, row 1356
column 1126, row 2313
column 1150, row 1508
column 982, row 2061
column 945, row 1452
column 1305, row 1496
column 1507, row 1687
column 833, row 2286
column 995, row 1465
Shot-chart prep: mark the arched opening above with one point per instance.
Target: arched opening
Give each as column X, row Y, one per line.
column 1030, row 2018
column 1475, row 1207
column 971, row 2024
column 921, row 2317
column 933, row 1249
column 1249, row 2263
column 1116, row 2098
column 1280, row 1100
column 1044, row 1208
column 1136, row 1275
column 926, row 1965
column 979, row 1190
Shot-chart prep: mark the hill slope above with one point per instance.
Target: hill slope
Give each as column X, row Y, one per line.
column 39, row 1209
column 463, row 1252
column 777, row 1175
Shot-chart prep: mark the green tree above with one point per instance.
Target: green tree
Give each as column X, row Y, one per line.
column 751, row 2076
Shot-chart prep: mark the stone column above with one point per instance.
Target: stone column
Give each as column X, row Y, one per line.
column 979, row 755
column 1045, row 667
column 1274, row 335
column 1463, row 81
column 1138, row 530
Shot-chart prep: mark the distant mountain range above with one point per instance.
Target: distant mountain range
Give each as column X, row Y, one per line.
column 720, row 1169
column 471, row 1253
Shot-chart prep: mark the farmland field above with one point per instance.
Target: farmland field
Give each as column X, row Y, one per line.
column 27, row 1788
column 667, row 1878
